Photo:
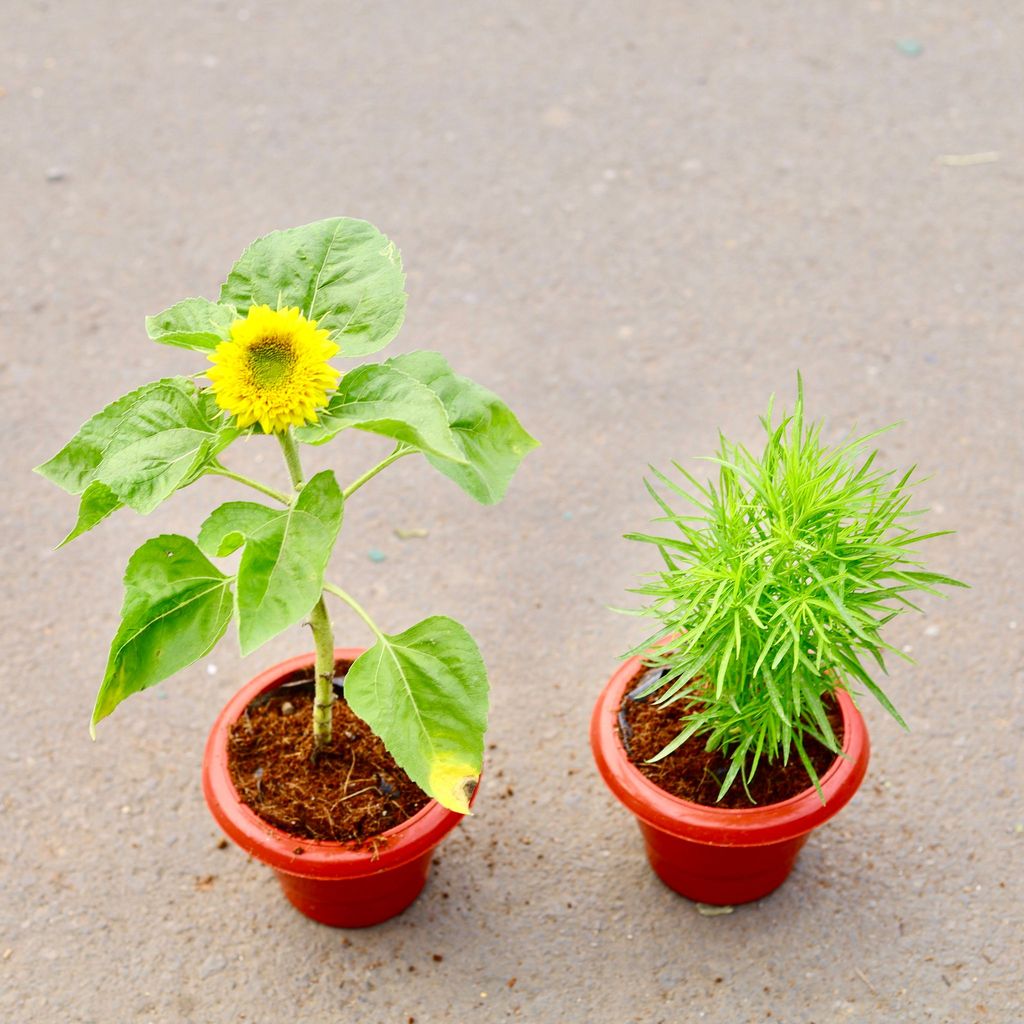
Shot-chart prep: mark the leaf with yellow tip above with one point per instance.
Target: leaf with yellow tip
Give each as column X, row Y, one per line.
column 424, row 693
column 454, row 783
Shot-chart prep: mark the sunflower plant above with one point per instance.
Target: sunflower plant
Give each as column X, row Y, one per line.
column 777, row 583
column 293, row 301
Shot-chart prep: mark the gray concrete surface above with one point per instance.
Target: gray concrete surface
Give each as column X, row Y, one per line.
column 634, row 221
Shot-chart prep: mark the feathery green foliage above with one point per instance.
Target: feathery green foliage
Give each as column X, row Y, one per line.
column 778, row 584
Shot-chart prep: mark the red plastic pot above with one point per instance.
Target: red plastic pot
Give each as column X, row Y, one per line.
column 340, row 884
column 712, row 854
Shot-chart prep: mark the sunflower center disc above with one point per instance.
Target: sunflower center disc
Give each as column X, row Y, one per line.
column 270, row 362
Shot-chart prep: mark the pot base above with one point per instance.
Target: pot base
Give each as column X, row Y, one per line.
column 360, row 902
column 719, row 875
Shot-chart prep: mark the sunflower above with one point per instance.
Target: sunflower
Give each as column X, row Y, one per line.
column 274, row 370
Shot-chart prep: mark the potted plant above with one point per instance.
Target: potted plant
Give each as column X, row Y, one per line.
column 732, row 732
column 342, row 769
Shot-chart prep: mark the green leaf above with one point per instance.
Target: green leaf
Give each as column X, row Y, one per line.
column 342, row 273
column 74, row 467
column 424, row 693
column 162, row 444
column 228, row 526
column 281, row 573
column 854, row 667
column 176, row 607
column 98, row 501
column 381, row 399
column 491, row 439
column 192, row 323
column 142, row 448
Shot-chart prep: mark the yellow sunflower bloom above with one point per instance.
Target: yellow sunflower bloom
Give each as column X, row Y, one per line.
column 274, row 370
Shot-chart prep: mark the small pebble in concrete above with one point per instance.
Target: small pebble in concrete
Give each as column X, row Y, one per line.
column 556, row 117
column 710, row 910
column 411, row 532
column 213, row 964
column 989, row 156
column 909, row 47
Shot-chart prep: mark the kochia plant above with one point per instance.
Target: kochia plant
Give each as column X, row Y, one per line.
column 294, row 300
column 776, row 588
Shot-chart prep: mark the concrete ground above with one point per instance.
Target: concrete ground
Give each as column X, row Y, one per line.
column 635, row 222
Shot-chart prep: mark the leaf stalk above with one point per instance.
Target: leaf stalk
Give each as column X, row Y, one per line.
column 271, row 492
column 400, row 450
column 356, row 607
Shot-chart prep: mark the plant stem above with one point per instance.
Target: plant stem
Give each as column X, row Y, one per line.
column 323, row 701
column 355, row 606
column 319, row 623
column 280, row 496
column 399, row 451
column 291, row 457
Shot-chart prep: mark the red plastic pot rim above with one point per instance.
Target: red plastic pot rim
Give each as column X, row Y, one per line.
column 308, row 858
column 754, row 826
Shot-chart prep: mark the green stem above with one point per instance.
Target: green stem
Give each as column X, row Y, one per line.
column 355, row 606
column 399, row 451
column 291, row 457
column 323, row 701
column 319, row 623
column 280, row 496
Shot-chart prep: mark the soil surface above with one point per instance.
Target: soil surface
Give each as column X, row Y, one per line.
column 350, row 793
column 693, row 773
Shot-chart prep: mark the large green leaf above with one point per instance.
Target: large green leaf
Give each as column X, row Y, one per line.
column 161, row 445
column 487, row 432
column 192, row 323
column 342, row 273
column 176, row 607
column 281, row 574
column 142, row 448
column 73, row 468
column 424, row 693
column 382, row 399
